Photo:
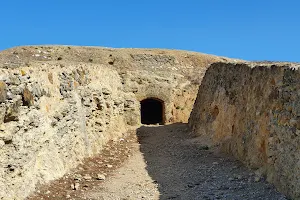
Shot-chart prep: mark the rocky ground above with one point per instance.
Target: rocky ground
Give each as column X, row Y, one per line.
column 159, row 162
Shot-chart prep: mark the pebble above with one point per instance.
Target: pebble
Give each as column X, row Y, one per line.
column 109, row 166
column 257, row 179
column 78, row 177
column 238, row 177
column 75, row 186
column 100, row 177
column 87, row 177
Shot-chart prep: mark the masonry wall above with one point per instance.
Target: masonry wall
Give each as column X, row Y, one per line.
column 253, row 112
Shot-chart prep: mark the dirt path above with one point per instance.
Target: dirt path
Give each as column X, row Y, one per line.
column 167, row 163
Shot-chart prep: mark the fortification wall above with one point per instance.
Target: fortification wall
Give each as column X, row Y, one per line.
column 253, row 112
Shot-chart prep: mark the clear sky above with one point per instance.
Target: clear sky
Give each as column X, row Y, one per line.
column 247, row 29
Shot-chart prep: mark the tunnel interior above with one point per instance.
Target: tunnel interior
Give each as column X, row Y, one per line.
column 152, row 111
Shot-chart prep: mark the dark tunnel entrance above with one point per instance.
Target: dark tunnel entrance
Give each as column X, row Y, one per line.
column 152, row 111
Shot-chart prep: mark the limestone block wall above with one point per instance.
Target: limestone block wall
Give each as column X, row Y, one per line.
column 253, row 112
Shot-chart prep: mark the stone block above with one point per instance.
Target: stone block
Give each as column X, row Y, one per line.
column 3, row 92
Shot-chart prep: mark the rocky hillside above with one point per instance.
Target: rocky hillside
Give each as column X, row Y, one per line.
column 184, row 62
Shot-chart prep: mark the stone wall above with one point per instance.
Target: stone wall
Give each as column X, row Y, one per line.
column 253, row 112
column 59, row 105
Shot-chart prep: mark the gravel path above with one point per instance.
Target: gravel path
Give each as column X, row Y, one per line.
column 168, row 163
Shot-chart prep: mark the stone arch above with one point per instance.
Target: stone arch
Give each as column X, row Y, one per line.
column 152, row 111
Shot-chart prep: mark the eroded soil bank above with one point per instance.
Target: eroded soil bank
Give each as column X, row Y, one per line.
column 161, row 162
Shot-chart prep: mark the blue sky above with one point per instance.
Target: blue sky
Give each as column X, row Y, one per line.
column 251, row 30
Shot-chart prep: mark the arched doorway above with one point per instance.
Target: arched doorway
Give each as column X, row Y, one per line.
column 152, row 111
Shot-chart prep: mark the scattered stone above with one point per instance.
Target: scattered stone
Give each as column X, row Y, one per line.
column 109, row 166
column 106, row 91
column 87, row 177
column 3, row 92
column 234, row 167
column 2, row 143
column 23, row 73
column 28, row 99
column 75, row 186
column 238, row 177
column 111, row 60
column 100, row 177
column 257, row 179
column 78, row 177
column 50, row 77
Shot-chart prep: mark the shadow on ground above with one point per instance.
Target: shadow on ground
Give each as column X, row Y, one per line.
column 184, row 169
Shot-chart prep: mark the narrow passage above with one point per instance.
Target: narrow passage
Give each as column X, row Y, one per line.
column 165, row 162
